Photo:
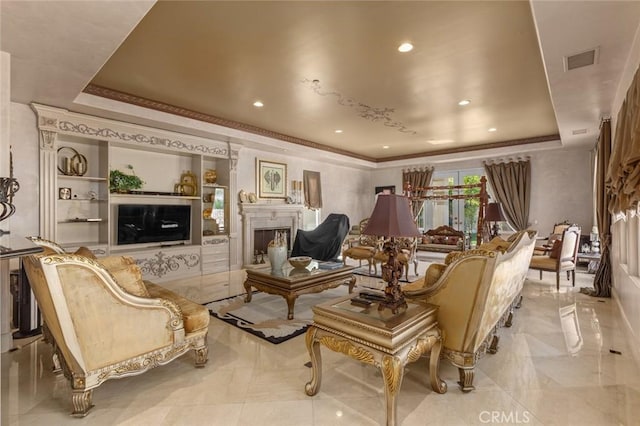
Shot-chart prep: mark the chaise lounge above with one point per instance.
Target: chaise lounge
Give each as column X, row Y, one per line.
column 104, row 322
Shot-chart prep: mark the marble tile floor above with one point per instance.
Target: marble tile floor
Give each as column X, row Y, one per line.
column 554, row 367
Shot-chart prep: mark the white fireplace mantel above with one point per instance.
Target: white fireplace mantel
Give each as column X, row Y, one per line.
column 257, row 216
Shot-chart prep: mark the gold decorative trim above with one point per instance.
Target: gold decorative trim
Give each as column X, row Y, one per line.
column 346, row 347
column 391, row 371
column 422, row 346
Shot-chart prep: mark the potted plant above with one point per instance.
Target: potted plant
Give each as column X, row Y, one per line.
column 121, row 182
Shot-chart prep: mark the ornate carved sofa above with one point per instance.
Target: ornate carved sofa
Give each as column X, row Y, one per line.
column 476, row 291
column 442, row 239
column 104, row 322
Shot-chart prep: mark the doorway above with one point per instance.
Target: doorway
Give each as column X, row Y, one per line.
column 461, row 215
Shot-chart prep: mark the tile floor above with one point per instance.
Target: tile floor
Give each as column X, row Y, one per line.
column 544, row 373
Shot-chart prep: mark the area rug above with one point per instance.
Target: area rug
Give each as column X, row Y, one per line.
column 364, row 271
column 266, row 315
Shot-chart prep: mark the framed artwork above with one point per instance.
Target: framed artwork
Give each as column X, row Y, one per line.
column 271, row 179
column 386, row 189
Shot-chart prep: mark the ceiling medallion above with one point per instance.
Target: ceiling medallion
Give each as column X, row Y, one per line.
column 367, row 112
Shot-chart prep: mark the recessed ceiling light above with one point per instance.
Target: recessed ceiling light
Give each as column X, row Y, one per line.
column 464, row 102
column 492, row 129
column 385, row 147
column 439, row 141
column 338, row 131
column 405, row 47
column 258, row 104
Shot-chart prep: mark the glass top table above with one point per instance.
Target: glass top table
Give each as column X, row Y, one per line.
column 290, row 282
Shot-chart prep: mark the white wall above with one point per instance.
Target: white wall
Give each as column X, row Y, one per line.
column 344, row 190
column 26, row 157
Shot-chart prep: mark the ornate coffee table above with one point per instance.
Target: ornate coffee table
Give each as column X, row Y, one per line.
column 292, row 282
column 379, row 338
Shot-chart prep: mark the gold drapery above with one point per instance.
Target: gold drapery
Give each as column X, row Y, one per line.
column 417, row 178
column 312, row 189
column 623, row 175
column 511, row 184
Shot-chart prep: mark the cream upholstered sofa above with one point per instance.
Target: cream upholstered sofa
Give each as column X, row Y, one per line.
column 104, row 322
column 476, row 292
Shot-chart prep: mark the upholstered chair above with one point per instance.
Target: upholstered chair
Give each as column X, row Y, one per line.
column 364, row 248
column 104, row 322
column 406, row 255
column 556, row 234
column 562, row 257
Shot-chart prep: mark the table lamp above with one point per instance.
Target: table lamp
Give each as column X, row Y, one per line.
column 392, row 218
column 494, row 214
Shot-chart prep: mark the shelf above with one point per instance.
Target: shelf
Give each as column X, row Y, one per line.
column 92, row 200
column 83, row 220
column 83, row 178
column 173, row 197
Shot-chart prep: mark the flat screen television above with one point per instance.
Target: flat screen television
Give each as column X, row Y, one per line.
column 152, row 223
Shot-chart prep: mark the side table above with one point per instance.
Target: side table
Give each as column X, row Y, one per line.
column 379, row 338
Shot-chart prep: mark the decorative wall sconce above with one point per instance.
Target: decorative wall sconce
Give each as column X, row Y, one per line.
column 8, row 187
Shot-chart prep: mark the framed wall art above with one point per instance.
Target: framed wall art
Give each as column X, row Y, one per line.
column 271, row 179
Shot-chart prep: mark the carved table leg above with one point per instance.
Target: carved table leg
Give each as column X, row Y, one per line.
column 493, row 348
column 291, row 301
column 437, row 384
column 466, row 379
column 392, row 373
column 509, row 321
column 247, row 287
column 82, row 402
column 313, row 347
column 352, row 283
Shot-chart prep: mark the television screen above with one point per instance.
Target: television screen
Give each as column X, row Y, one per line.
column 151, row 223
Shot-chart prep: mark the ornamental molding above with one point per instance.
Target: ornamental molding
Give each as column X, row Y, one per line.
column 383, row 115
column 48, row 139
column 161, row 263
column 214, row 241
column 65, row 122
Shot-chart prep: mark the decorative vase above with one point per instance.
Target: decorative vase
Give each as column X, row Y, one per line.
column 277, row 251
column 210, row 176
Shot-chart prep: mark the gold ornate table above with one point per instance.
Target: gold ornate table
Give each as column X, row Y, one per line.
column 379, row 338
column 292, row 282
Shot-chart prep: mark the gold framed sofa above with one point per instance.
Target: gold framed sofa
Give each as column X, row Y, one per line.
column 476, row 292
column 104, row 322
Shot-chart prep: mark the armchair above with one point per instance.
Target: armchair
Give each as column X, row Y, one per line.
column 555, row 235
column 100, row 331
column 407, row 254
column 365, row 247
column 564, row 260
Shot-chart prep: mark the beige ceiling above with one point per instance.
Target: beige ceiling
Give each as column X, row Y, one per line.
column 215, row 59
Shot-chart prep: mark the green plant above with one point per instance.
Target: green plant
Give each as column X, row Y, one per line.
column 121, row 182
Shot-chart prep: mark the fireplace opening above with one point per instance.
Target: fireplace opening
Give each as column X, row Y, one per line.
column 262, row 237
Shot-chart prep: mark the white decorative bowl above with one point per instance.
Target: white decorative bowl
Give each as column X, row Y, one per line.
column 300, row 261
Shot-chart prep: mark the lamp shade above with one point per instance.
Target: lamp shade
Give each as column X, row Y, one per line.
column 494, row 213
column 392, row 217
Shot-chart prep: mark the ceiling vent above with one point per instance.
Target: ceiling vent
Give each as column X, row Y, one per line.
column 579, row 60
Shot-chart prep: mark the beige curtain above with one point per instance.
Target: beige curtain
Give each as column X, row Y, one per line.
column 417, row 178
column 312, row 189
column 623, row 175
column 511, row 183
column 602, row 280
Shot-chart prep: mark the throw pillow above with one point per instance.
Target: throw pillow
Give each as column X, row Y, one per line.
column 556, row 249
column 84, row 251
column 126, row 273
